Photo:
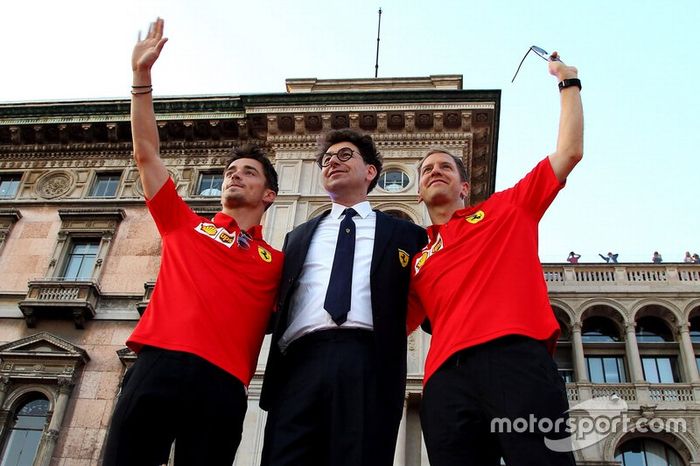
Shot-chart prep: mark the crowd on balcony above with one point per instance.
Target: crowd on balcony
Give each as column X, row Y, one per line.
column 656, row 258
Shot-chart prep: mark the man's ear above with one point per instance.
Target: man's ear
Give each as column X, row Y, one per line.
column 464, row 192
column 269, row 196
column 371, row 172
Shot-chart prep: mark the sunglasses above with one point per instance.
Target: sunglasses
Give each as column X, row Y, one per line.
column 243, row 240
column 540, row 52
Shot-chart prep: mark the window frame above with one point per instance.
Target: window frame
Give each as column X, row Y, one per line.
column 20, row 176
column 8, row 218
column 386, row 171
column 28, row 372
column 79, row 240
column 674, row 367
column 621, row 365
column 11, row 426
column 198, row 184
column 96, row 180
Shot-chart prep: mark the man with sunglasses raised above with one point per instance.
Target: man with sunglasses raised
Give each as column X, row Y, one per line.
column 480, row 283
column 335, row 379
column 199, row 339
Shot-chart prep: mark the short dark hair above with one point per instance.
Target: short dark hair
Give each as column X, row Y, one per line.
column 363, row 142
column 458, row 161
column 252, row 151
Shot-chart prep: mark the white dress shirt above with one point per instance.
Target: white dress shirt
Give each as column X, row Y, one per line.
column 306, row 311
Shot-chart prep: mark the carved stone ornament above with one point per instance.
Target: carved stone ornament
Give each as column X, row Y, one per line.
column 54, row 184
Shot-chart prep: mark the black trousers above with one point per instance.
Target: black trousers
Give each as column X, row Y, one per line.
column 170, row 395
column 506, row 379
column 327, row 409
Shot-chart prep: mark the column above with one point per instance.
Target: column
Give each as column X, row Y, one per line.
column 48, row 441
column 687, row 353
column 400, row 453
column 413, row 430
column 577, row 353
column 4, row 385
column 635, row 362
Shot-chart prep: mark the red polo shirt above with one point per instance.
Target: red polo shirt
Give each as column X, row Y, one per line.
column 212, row 297
column 480, row 278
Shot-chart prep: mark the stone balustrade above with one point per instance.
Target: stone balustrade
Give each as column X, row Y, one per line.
column 628, row 278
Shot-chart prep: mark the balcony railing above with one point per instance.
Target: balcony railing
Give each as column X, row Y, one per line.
column 670, row 393
column 635, row 393
column 56, row 298
column 622, row 277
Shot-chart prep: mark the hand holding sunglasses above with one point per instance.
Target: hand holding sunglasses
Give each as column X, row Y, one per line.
column 567, row 75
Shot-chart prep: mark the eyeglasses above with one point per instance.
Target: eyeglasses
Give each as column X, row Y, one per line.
column 343, row 155
column 539, row 51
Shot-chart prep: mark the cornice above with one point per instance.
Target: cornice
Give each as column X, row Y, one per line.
column 365, row 108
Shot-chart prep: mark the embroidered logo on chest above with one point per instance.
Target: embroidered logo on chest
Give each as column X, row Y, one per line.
column 427, row 252
column 220, row 235
column 476, row 217
column 403, row 258
column 264, row 254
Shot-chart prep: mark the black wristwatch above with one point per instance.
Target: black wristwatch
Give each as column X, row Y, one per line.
column 569, row 82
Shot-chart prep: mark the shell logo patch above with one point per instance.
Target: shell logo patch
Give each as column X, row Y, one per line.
column 208, row 228
column 437, row 246
column 264, row 254
column 421, row 260
column 476, row 217
column 403, row 258
column 428, row 251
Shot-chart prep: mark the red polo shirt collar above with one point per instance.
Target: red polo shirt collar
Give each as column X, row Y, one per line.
column 223, row 220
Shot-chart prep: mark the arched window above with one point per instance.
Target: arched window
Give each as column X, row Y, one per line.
column 599, row 329
column 393, row 180
column 695, row 329
column 660, row 365
column 653, row 330
column 604, row 352
column 25, row 433
column 647, row 452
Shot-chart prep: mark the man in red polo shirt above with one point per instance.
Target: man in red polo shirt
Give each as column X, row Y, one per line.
column 199, row 339
column 480, row 283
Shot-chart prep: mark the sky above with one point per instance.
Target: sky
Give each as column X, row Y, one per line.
column 636, row 190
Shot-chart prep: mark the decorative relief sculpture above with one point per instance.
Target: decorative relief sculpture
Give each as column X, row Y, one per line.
column 54, row 184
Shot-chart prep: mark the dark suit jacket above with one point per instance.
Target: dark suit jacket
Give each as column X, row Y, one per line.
column 389, row 287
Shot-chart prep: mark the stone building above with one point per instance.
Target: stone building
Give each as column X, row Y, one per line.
column 79, row 255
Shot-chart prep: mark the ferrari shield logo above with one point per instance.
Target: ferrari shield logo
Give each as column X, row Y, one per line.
column 264, row 254
column 476, row 217
column 403, row 258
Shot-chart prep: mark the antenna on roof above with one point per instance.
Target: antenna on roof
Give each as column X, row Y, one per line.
column 376, row 61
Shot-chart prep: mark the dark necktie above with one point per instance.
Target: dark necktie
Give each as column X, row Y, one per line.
column 337, row 301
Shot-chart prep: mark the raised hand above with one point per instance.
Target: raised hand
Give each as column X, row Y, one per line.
column 147, row 51
column 559, row 69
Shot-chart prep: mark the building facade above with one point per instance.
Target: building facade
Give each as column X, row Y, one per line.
column 79, row 256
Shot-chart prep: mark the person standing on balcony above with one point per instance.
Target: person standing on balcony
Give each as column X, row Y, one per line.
column 610, row 258
column 656, row 258
column 573, row 258
column 493, row 329
column 198, row 340
column 688, row 259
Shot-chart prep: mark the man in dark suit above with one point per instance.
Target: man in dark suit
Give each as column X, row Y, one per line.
column 335, row 379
